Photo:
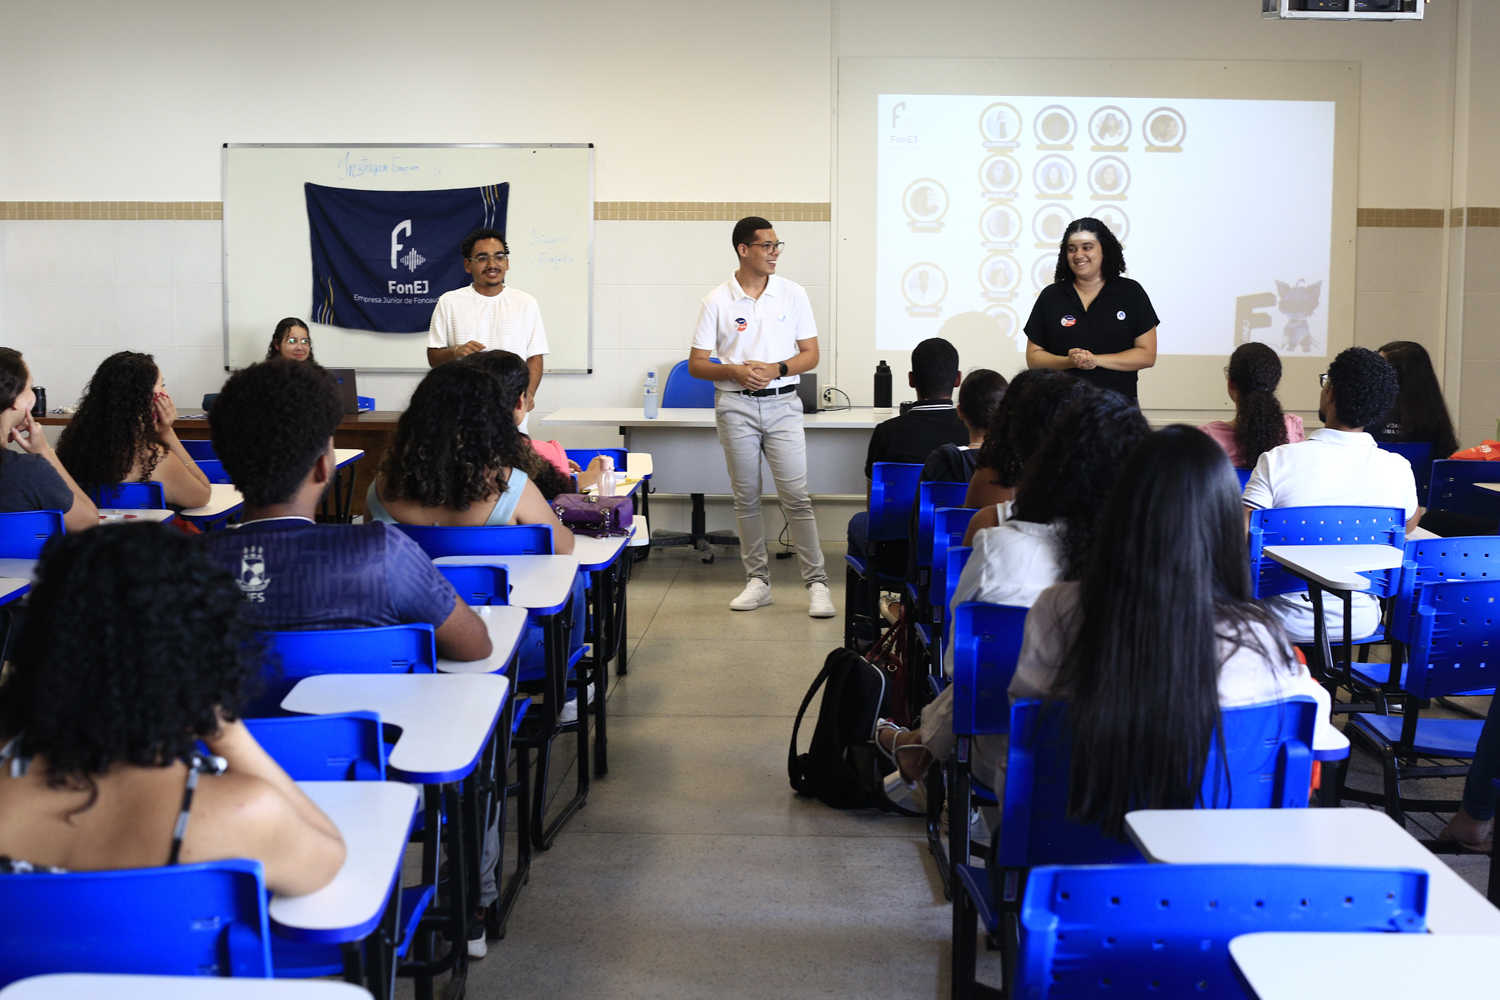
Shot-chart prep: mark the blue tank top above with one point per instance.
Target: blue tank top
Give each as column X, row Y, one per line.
column 505, row 507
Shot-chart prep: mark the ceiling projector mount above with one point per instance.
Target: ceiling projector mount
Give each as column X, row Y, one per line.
column 1342, row 10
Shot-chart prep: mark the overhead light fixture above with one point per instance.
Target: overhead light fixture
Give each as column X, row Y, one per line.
column 1342, row 10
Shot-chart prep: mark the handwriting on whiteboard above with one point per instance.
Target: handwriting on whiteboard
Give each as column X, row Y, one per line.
column 351, row 166
column 552, row 257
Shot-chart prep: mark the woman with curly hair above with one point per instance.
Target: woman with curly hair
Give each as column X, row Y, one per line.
column 291, row 341
column 132, row 650
column 122, row 433
column 1092, row 319
column 552, row 473
column 1254, row 372
column 457, row 459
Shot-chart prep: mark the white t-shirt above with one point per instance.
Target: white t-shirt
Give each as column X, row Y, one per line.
column 509, row 321
column 737, row 328
column 1011, row 564
column 1330, row 469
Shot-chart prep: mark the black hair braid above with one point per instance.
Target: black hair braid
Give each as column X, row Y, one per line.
column 1259, row 424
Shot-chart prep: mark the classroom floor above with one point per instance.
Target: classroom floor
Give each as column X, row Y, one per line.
column 694, row 870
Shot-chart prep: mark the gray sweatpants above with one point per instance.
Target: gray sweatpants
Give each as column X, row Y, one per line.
column 770, row 425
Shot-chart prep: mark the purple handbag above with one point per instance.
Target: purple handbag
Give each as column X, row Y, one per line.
column 600, row 517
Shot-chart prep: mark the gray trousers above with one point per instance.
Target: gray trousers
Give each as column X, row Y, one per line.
column 770, row 426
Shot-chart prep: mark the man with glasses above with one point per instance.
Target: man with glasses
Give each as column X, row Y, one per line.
column 760, row 327
column 486, row 315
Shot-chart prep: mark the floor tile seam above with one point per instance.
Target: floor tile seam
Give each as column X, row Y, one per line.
column 915, row 839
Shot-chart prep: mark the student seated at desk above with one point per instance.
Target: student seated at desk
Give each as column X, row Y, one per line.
column 546, row 462
column 1050, row 534
column 273, row 427
column 1158, row 609
column 1419, row 413
column 979, row 397
column 1037, row 397
column 1338, row 465
column 132, row 649
column 1253, row 374
column 35, row 480
column 291, row 341
column 122, row 433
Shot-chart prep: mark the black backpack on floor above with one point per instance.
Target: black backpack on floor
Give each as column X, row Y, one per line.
column 842, row 767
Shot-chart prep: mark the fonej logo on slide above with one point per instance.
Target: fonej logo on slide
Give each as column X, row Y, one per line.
column 381, row 259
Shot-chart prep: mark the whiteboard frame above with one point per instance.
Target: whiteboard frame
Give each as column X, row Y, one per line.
column 224, row 227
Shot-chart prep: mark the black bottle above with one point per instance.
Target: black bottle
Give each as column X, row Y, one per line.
column 39, row 409
column 882, row 386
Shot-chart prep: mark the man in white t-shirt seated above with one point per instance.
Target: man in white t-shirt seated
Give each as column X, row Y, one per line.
column 487, row 315
column 1338, row 465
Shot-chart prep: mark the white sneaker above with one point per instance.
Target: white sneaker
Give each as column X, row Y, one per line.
column 819, row 604
column 757, row 594
column 569, row 711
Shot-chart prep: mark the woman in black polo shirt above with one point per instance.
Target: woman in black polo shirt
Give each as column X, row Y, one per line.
column 1091, row 319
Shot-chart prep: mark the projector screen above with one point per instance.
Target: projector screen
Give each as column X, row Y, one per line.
column 1224, row 209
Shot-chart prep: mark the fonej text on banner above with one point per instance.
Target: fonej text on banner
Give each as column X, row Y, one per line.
column 380, row 259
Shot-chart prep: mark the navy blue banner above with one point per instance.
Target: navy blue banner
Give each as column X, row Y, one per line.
column 381, row 258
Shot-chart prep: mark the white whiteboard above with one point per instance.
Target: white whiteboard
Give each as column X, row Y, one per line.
column 268, row 255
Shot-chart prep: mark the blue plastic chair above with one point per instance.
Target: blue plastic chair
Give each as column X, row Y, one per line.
column 23, row 533
column 200, row 450
column 1453, row 487
column 683, row 391
column 141, row 496
column 1452, row 651
column 1418, row 454
column 1244, row 477
column 340, row 747
column 949, row 524
column 205, row 919
column 893, row 490
column 499, row 540
column 213, row 469
column 208, row 400
column 479, row 586
column 931, row 496
column 291, row 656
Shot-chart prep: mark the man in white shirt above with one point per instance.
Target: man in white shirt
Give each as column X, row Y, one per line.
column 486, row 315
column 760, row 326
column 1338, row 466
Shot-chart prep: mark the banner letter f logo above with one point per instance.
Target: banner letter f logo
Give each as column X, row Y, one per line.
column 401, row 227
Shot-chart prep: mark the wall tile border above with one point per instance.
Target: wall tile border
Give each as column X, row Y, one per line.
column 712, row 211
column 128, row 210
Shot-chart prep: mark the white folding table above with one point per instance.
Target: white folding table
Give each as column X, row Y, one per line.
column 93, row 986
column 343, row 492
column 506, row 624
column 22, row 569
column 1351, row 837
column 110, row 515
column 13, row 589
column 1290, row 966
column 224, row 504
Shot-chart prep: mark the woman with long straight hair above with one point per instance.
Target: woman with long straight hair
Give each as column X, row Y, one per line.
column 1253, row 374
column 1420, row 413
column 1158, row 635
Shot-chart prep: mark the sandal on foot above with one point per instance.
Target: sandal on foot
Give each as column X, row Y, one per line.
column 1466, row 846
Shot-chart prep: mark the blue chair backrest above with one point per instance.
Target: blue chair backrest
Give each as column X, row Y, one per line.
column 1457, row 634
column 893, row 490
column 200, row 450
column 213, row 469
column 1321, row 526
column 205, row 919
column 140, row 496
column 1419, row 455
column 583, row 456
column 1269, row 756
column 343, row 747
column 1244, row 477
column 1164, row 930
column 291, row 656
column 986, row 643
column 24, row 532
column 500, row 540
column 1434, row 560
column 682, row 391
column 931, row 496
column 949, row 525
column 1453, row 487
column 479, row 586
column 945, row 581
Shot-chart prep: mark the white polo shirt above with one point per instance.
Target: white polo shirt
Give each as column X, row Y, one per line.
column 1330, row 469
column 509, row 321
column 737, row 328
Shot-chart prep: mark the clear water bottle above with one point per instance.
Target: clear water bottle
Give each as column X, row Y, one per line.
column 653, row 402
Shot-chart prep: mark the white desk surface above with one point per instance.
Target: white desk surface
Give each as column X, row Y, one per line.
column 12, row 588
column 445, row 719
column 1354, row 837
column 640, row 532
column 1492, row 487
column 374, row 818
column 506, row 624
column 343, row 456
column 108, row 514
column 20, row 569
column 537, row 583
column 1291, row 966
column 859, row 418
column 638, row 464
column 1337, row 566
column 594, row 554
column 224, row 501
column 1420, row 534
column 90, row 986
column 624, row 486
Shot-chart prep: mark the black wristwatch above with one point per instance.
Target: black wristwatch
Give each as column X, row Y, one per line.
column 783, row 368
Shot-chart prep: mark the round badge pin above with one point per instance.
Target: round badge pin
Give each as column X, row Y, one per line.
column 1120, row 314
column 1068, row 321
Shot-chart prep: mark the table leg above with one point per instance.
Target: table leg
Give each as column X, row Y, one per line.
column 622, row 636
column 557, row 671
column 1320, row 639
column 604, row 636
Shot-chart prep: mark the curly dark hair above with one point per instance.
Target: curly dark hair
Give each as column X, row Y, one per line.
column 13, row 376
column 283, row 328
column 132, row 640
column 1364, row 386
column 1113, row 264
column 515, row 378
column 1259, row 424
column 270, row 424
column 455, row 435
column 1420, row 414
column 115, row 424
column 1066, row 480
column 1031, row 405
column 483, row 233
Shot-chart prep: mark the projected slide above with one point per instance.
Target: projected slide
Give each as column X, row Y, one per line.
column 1223, row 207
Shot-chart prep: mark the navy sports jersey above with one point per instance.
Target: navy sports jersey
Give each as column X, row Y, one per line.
column 295, row 574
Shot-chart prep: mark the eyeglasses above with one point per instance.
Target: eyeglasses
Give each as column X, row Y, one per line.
column 768, row 246
column 485, row 258
column 306, row 341
column 1323, row 381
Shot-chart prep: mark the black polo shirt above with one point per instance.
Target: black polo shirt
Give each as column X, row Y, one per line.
column 1119, row 314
